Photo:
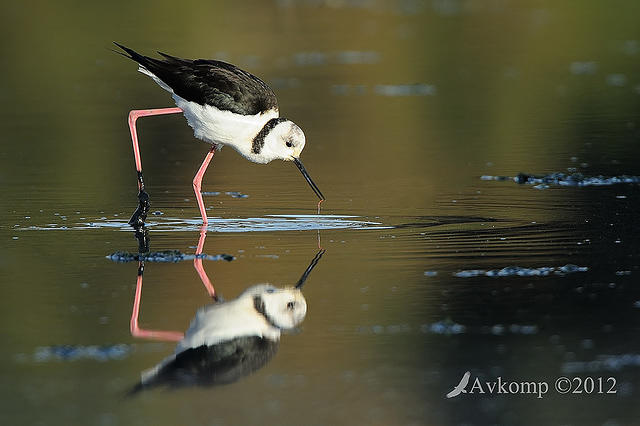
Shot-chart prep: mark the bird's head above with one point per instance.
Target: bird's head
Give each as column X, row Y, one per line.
column 285, row 141
column 283, row 307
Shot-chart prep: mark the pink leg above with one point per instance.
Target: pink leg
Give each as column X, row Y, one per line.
column 140, row 214
column 197, row 184
column 133, row 116
column 136, row 331
column 197, row 263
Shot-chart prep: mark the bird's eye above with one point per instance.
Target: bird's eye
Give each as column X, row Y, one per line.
column 291, row 305
column 289, row 144
column 270, row 290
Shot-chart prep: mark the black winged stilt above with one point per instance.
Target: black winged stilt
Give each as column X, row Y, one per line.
column 225, row 106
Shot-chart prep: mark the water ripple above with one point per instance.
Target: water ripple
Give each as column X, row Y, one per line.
column 78, row 352
column 217, row 224
column 602, row 363
column 564, row 179
column 510, row 271
column 166, row 256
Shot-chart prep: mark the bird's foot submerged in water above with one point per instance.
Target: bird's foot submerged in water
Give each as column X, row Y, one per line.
column 140, row 215
column 142, row 235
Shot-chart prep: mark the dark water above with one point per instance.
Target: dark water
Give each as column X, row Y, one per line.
column 432, row 268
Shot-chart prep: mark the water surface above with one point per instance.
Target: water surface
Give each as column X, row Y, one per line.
column 430, row 269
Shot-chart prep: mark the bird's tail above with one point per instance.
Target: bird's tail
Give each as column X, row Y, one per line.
column 131, row 54
column 148, row 65
column 158, row 69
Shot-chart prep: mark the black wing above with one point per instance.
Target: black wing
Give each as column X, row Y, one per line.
column 210, row 82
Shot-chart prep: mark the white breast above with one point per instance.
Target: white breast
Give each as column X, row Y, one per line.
column 220, row 127
column 223, row 127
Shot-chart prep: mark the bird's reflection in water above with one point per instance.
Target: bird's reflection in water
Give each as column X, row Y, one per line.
column 226, row 340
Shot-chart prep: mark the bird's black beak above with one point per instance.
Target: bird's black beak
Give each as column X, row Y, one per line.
column 308, row 178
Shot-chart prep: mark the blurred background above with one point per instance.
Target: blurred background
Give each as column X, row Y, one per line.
column 406, row 105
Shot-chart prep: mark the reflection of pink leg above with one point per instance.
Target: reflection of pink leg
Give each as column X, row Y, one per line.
column 197, row 263
column 136, row 331
column 197, row 183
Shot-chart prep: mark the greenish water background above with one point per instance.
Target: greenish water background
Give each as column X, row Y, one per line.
column 405, row 105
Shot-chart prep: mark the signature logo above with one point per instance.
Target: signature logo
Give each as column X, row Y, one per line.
column 460, row 388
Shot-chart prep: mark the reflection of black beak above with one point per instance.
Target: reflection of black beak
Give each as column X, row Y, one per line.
column 308, row 178
column 312, row 265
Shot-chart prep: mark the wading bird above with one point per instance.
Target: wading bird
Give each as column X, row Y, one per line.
column 225, row 106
